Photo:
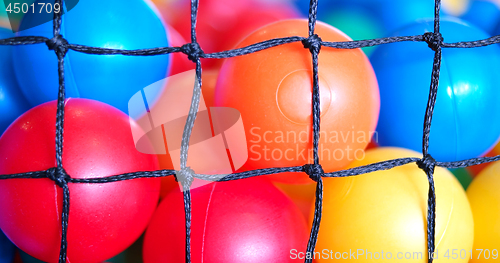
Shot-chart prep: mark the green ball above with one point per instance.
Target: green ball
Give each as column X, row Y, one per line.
column 356, row 23
column 11, row 19
column 27, row 258
column 132, row 254
column 463, row 176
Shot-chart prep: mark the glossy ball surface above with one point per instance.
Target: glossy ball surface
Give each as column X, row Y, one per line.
column 12, row 101
column 387, row 211
column 272, row 89
column 484, row 199
column 466, row 99
column 484, row 14
column 240, row 221
column 111, row 79
column 7, row 249
column 105, row 218
column 221, row 24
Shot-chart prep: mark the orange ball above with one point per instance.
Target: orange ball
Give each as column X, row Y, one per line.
column 272, row 89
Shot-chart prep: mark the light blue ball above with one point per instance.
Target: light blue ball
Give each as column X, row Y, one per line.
column 465, row 123
column 483, row 14
column 12, row 101
column 112, row 79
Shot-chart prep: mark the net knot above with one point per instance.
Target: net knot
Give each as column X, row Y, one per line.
column 433, row 40
column 192, row 50
column 313, row 43
column 186, row 177
column 58, row 43
column 315, row 171
column 427, row 163
column 58, row 175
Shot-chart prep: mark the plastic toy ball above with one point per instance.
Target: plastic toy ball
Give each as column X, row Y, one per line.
column 4, row 19
column 463, row 176
column 466, row 99
column 111, row 79
column 273, row 91
column 497, row 30
column 396, row 14
column 25, row 258
column 382, row 216
column 180, row 62
column 221, row 24
column 496, row 149
column 303, row 5
column 484, row 199
column 357, row 22
column 484, row 14
column 185, row 81
column 302, row 195
column 455, row 7
column 131, row 254
column 11, row 20
column 242, row 221
column 358, row 19
column 7, row 249
column 12, row 101
column 388, row 15
column 105, row 218
column 474, row 170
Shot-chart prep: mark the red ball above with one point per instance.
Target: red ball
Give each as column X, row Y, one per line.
column 243, row 221
column 104, row 219
column 180, row 61
column 221, row 24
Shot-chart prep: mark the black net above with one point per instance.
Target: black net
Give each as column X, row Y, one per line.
column 186, row 176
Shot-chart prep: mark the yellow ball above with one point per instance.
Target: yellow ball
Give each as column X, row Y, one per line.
column 455, row 7
column 484, row 198
column 383, row 215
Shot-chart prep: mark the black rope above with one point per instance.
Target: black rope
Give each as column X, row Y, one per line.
column 186, row 176
column 14, row 41
column 315, row 171
column 29, row 40
column 138, row 52
column 58, row 174
column 194, row 52
column 427, row 163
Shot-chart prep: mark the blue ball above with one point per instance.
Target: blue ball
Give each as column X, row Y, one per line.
column 391, row 15
column 112, row 79
column 396, row 14
column 465, row 122
column 7, row 249
column 326, row 6
column 12, row 101
column 484, row 14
